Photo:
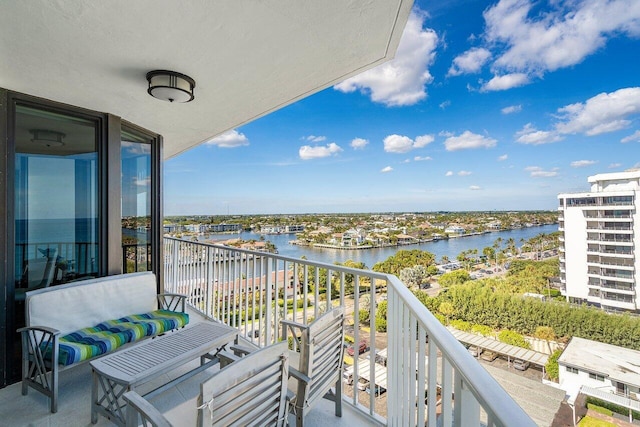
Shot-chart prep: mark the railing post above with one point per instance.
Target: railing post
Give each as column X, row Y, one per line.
column 466, row 411
column 176, row 265
column 269, row 300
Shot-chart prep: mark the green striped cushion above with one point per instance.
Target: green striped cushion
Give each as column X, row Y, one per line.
column 159, row 321
column 108, row 336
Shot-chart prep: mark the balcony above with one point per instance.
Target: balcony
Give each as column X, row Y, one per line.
column 247, row 290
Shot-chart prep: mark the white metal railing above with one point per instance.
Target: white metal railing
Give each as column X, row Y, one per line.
column 253, row 291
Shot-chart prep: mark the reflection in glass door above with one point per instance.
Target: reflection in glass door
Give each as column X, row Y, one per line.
column 56, row 208
column 136, row 202
column 56, row 199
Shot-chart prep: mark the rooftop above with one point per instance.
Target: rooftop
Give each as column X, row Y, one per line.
column 610, row 360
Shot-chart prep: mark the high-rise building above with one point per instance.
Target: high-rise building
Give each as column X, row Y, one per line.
column 600, row 231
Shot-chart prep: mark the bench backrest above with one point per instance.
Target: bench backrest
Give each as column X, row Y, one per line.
column 86, row 303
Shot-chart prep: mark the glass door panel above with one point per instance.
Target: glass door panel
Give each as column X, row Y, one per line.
column 56, row 199
column 136, row 202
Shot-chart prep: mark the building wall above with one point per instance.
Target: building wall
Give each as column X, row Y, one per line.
column 596, row 219
column 572, row 381
column 575, row 243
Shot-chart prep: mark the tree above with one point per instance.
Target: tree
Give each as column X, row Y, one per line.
column 403, row 259
column 444, row 259
column 413, row 277
column 446, row 309
column 489, row 253
column 457, row 277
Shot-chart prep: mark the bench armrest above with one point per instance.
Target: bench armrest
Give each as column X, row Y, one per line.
column 44, row 329
column 172, row 302
column 293, row 372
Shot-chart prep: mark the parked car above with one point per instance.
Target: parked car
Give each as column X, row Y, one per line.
column 475, row 351
column 362, row 347
column 489, row 355
column 520, row 364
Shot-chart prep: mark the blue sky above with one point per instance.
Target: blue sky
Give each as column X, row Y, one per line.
column 487, row 106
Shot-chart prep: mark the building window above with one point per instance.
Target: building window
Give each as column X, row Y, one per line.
column 596, row 377
column 571, row 370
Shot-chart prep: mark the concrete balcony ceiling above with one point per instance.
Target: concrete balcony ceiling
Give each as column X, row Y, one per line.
column 248, row 58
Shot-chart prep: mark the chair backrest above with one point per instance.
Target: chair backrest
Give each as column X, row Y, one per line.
column 321, row 355
column 40, row 271
column 250, row 391
column 141, row 412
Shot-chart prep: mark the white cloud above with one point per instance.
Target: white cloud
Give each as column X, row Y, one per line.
column 359, row 143
column 421, row 159
column 230, row 139
column 557, row 38
column 468, row 140
column 583, row 163
column 530, row 135
column 469, row 62
column 449, row 173
column 605, row 112
column 504, row 82
column 615, row 165
column 503, row 158
column 635, row 137
column 538, row 172
column 307, row 152
column 444, row 104
column 314, row 138
column 511, row 109
column 464, row 173
column 386, row 169
column 402, row 144
column 403, row 80
column 475, row 188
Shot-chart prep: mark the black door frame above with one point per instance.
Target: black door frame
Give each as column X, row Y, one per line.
column 108, row 136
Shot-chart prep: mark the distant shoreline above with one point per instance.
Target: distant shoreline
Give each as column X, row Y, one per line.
column 392, row 245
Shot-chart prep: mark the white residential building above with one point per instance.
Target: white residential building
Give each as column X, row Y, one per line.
column 600, row 230
column 600, row 366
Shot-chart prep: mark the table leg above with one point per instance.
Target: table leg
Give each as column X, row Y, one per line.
column 94, row 397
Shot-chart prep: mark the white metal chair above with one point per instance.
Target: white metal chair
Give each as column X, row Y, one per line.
column 38, row 273
column 316, row 361
column 251, row 391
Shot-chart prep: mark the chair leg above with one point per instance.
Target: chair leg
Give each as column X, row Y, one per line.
column 338, row 398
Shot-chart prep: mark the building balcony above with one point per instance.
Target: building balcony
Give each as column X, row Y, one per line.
column 252, row 291
column 249, row 293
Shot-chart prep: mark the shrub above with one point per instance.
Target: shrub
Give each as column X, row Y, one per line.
column 552, row 365
column 611, row 406
column 599, row 409
column 381, row 324
column 511, row 337
column 483, row 330
column 461, row 325
column 363, row 315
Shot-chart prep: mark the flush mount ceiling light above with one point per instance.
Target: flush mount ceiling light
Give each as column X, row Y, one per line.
column 170, row 86
column 48, row 138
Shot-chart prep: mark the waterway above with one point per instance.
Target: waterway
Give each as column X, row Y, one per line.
column 451, row 247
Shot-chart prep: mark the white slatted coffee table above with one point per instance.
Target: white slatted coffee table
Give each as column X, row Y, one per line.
column 115, row 374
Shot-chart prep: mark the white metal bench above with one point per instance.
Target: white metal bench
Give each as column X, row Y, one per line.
column 56, row 311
